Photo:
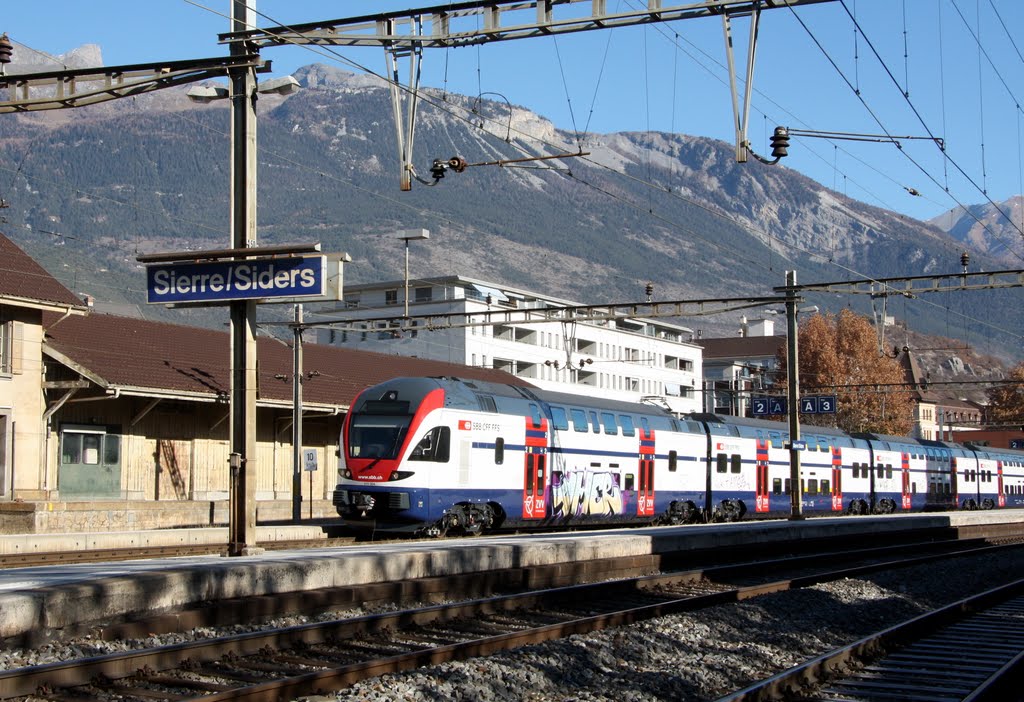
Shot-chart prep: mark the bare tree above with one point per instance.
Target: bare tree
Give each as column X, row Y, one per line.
column 839, row 356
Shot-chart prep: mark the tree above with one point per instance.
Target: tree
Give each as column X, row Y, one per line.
column 839, row 356
column 1006, row 402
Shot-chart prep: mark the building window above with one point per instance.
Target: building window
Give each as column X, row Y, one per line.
column 390, row 297
column 6, row 362
column 424, row 294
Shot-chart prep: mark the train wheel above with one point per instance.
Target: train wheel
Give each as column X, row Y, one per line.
column 886, row 506
column 988, row 503
column 970, row 504
column 730, row 511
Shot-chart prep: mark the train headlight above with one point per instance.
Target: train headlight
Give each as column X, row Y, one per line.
column 346, row 474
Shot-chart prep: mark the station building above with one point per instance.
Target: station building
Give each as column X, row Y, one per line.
column 632, row 359
column 111, row 423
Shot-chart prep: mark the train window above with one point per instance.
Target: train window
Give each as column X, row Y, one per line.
column 737, row 463
column 776, row 486
column 608, row 419
column 630, row 481
column 673, row 461
column 579, row 420
column 499, row 451
column 888, row 472
column 788, row 486
column 434, row 446
column 487, row 403
column 723, row 463
column 812, row 445
column 913, row 488
column 626, row 422
column 535, row 414
column 825, row 487
column 594, row 424
column 879, row 471
column 823, row 445
column 644, row 423
column 776, row 439
column 559, row 420
column 812, row 486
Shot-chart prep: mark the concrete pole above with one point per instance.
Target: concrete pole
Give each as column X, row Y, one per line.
column 297, row 420
column 242, row 507
column 793, row 371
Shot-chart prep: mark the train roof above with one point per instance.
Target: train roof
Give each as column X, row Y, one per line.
column 764, row 424
column 560, row 398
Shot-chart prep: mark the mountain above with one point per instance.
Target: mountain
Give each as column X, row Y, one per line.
column 995, row 230
column 91, row 188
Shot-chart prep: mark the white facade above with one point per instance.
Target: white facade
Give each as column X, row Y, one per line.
column 626, row 359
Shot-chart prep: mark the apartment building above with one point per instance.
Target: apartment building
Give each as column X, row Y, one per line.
column 630, row 359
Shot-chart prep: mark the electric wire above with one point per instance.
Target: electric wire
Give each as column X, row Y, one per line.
column 920, row 119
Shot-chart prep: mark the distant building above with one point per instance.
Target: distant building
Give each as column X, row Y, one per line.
column 737, row 367
column 628, row 359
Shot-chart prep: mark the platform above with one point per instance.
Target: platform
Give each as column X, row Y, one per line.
column 52, row 597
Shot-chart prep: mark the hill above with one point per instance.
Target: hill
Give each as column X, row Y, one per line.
column 88, row 189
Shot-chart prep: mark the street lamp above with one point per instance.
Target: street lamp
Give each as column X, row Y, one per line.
column 409, row 235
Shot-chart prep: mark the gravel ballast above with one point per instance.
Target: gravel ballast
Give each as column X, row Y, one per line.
column 696, row 656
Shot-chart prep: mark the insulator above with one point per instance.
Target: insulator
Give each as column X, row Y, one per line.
column 965, row 258
column 438, row 168
column 6, row 48
column 780, row 142
column 457, row 164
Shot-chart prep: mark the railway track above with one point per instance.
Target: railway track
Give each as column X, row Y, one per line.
column 972, row 650
column 287, row 663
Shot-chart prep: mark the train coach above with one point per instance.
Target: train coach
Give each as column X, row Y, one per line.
column 434, row 455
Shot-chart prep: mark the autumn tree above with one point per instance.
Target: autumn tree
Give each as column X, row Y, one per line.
column 839, row 356
column 1006, row 402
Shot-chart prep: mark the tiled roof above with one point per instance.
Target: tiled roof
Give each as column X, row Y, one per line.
column 741, row 346
column 124, row 352
column 22, row 278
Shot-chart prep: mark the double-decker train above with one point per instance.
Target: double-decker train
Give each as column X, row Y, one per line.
column 433, row 455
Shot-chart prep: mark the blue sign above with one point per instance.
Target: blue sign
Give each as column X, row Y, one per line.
column 762, row 406
column 798, row 445
column 818, row 404
column 222, row 281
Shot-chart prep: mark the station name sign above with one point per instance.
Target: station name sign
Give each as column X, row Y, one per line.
column 223, row 281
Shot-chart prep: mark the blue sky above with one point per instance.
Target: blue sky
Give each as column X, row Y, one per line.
column 671, row 77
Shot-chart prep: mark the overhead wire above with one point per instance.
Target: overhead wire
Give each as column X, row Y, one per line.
column 917, row 114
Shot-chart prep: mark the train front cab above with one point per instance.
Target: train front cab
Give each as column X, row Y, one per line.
column 376, row 488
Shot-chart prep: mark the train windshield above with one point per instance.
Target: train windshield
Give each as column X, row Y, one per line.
column 376, row 436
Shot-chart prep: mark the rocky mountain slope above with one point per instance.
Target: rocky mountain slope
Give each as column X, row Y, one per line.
column 88, row 189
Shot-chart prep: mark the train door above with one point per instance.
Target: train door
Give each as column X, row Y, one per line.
column 837, row 479
column 905, row 472
column 762, row 502
column 999, row 484
column 954, row 483
column 535, row 467
column 645, row 491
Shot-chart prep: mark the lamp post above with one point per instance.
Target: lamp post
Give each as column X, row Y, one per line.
column 409, row 235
